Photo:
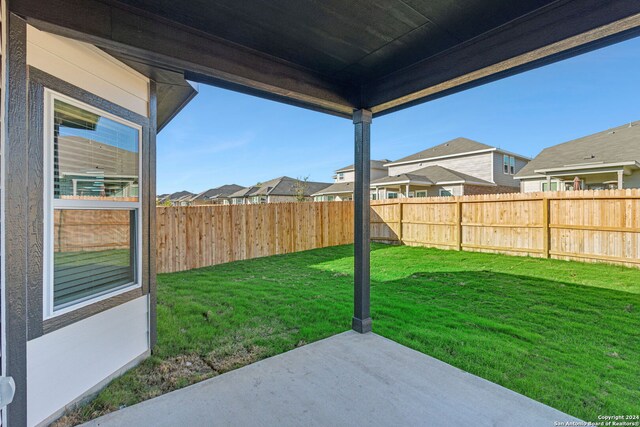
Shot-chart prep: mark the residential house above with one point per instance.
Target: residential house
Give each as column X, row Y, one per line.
column 215, row 196
column 78, row 275
column 457, row 167
column 342, row 188
column 179, row 198
column 282, row 189
column 93, row 118
column 606, row 160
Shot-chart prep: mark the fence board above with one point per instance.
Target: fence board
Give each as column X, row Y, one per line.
column 588, row 226
column 199, row 236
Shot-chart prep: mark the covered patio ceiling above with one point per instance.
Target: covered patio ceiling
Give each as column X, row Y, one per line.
column 339, row 56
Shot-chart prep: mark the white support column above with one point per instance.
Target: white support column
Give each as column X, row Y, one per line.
column 620, row 179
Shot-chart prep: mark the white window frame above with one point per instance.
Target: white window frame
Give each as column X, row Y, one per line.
column 441, row 190
column 395, row 193
column 423, row 192
column 553, row 181
column 50, row 204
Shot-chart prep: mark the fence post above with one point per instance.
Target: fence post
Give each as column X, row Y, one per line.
column 459, row 225
column 400, row 204
column 546, row 229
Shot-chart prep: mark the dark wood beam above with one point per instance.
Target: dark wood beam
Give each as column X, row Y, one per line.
column 361, row 195
column 563, row 29
column 157, row 41
column 151, row 208
column 17, row 236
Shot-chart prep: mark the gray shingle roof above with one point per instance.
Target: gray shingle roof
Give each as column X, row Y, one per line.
column 454, row 146
column 377, row 164
column 619, row 144
column 177, row 195
column 431, row 175
column 282, row 186
column 218, row 192
column 340, row 187
column 244, row 192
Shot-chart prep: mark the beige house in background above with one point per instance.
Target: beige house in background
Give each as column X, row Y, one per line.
column 455, row 168
column 282, row 189
column 342, row 188
column 606, row 160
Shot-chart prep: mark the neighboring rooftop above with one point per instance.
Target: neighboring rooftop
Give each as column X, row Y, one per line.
column 375, row 164
column 455, row 146
column 432, row 175
column 174, row 197
column 615, row 145
column 223, row 191
column 340, row 187
column 282, row 186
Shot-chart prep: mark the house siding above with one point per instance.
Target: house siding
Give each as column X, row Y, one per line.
column 283, row 199
column 501, row 178
column 65, row 364
column 77, row 356
column 88, row 68
column 351, row 177
column 470, row 190
column 478, row 165
column 632, row 181
column 629, row 181
column 531, row 185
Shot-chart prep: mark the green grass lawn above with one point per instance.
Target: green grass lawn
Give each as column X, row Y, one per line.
column 564, row 333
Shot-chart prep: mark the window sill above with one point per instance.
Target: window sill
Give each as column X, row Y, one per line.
column 86, row 309
column 93, row 300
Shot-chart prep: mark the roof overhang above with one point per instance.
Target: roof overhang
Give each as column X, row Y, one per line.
column 402, row 182
column 173, row 91
column 448, row 156
column 403, row 62
column 585, row 167
column 467, row 153
column 323, row 193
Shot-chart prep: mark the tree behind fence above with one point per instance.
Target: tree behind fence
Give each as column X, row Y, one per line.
column 584, row 226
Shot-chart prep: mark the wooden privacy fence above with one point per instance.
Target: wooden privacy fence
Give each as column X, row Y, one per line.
column 91, row 230
column 199, row 236
column 582, row 225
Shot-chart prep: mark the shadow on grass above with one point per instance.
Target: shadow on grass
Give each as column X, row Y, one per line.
column 571, row 346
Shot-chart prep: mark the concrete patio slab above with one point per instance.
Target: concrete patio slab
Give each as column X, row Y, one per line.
column 345, row 380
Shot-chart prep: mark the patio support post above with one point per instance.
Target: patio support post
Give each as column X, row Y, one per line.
column 620, row 179
column 361, row 304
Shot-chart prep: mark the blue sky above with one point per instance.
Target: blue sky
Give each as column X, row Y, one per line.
column 223, row 137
